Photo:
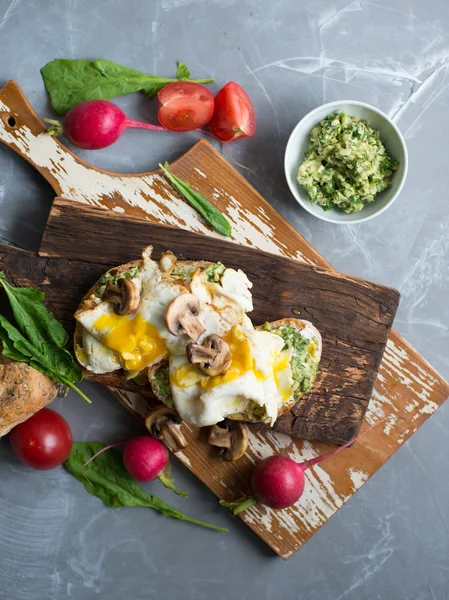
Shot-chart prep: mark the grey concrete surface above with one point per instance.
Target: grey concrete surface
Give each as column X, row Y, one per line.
column 391, row 540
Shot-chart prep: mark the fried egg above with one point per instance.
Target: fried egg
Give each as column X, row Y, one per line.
column 232, row 290
column 259, row 372
column 142, row 339
column 95, row 356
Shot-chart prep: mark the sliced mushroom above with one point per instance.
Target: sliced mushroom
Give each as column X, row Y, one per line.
column 164, row 424
column 231, row 437
column 124, row 295
column 212, row 357
column 167, row 262
column 181, row 317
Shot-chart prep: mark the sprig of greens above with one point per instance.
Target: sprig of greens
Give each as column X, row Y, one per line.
column 107, row 479
column 210, row 214
column 70, row 82
column 38, row 339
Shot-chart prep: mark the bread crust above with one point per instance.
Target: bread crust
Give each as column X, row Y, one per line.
column 23, row 391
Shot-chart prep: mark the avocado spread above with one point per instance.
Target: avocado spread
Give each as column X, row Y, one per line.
column 346, row 164
column 304, row 362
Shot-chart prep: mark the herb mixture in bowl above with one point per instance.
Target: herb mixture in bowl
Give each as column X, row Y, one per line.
column 346, row 164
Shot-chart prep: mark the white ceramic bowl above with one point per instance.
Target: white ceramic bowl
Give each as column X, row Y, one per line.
column 389, row 134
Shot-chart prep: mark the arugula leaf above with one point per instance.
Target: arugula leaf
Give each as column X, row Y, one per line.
column 39, row 338
column 210, row 214
column 182, row 72
column 107, row 479
column 70, row 82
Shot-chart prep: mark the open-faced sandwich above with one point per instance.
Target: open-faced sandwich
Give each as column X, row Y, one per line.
column 183, row 325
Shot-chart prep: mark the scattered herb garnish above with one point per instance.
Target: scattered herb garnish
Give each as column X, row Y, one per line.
column 211, row 214
column 70, row 82
column 107, row 479
column 39, row 339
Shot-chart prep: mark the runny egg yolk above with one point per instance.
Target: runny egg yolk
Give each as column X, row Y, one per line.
column 242, row 361
column 137, row 341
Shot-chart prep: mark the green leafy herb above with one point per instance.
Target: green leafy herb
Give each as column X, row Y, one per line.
column 182, row 73
column 211, row 214
column 38, row 339
column 238, row 506
column 70, row 82
column 107, row 479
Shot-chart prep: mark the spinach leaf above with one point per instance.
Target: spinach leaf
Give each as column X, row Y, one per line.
column 8, row 349
column 70, row 82
column 106, row 478
column 210, row 214
column 38, row 339
column 36, row 321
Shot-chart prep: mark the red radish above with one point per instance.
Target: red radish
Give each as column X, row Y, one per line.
column 278, row 481
column 42, row 442
column 234, row 115
column 184, row 106
column 95, row 124
column 145, row 458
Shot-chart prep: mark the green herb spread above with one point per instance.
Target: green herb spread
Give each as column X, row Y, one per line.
column 114, row 278
column 161, row 385
column 304, row 362
column 346, row 164
column 184, row 273
column 215, row 271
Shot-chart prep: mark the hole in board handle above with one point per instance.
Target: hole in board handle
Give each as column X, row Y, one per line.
column 12, row 122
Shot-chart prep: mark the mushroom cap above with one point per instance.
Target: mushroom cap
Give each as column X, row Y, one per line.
column 231, row 437
column 124, row 295
column 181, row 317
column 212, row 357
column 164, row 424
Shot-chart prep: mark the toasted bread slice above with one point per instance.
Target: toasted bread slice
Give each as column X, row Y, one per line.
column 181, row 271
column 304, row 363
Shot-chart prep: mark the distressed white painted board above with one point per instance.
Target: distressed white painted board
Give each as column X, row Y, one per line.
column 408, row 389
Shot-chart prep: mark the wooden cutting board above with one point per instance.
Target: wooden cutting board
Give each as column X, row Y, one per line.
column 354, row 316
column 407, row 388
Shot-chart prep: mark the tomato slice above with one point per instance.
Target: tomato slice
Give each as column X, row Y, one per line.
column 184, row 106
column 234, row 115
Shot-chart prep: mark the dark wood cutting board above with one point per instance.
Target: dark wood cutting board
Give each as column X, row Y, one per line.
column 354, row 316
column 408, row 390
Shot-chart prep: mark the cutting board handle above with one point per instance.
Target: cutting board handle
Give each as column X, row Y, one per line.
column 144, row 195
column 21, row 129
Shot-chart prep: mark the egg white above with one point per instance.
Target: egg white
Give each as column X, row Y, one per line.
column 233, row 291
column 153, row 340
column 267, row 382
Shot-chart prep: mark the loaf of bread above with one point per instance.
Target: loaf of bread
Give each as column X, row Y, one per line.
column 23, row 391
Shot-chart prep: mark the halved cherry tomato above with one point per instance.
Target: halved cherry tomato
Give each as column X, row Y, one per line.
column 184, row 106
column 234, row 115
column 43, row 442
